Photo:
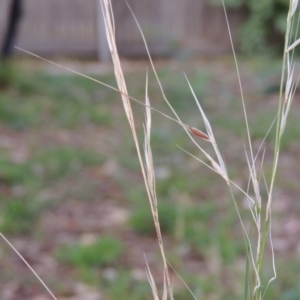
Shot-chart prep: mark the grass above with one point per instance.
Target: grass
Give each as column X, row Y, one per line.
column 28, row 105
column 103, row 252
column 54, row 163
column 12, row 173
column 256, row 236
column 141, row 219
column 124, row 286
column 99, row 169
column 18, row 217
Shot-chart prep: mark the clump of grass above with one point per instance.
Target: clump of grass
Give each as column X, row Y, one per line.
column 54, row 163
column 19, row 114
column 105, row 251
column 142, row 222
column 18, row 217
column 123, row 286
column 7, row 75
column 12, row 173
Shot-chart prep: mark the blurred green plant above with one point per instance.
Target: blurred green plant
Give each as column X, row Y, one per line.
column 12, row 173
column 20, row 114
column 264, row 29
column 197, row 219
column 142, row 222
column 18, row 217
column 88, row 275
column 7, row 75
column 105, row 251
column 123, row 286
column 56, row 162
column 288, row 287
column 38, row 98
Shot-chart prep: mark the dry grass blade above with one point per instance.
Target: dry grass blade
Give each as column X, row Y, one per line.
column 148, row 174
column 290, row 91
column 181, row 279
column 165, row 289
column 152, row 191
column 110, row 35
column 294, row 7
column 289, row 83
column 254, row 181
column 147, row 149
column 28, row 265
column 151, row 282
column 293, row 46
column 219, row 166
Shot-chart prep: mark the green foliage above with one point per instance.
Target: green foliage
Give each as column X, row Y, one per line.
column 259, row 126
column 141, row 219
column 287, row 286
column 264, row 29
column 11, row 173
column 181, row 181
column 56, row 162
column 103, row 252
column 35, row 99
column 177, row 89
column 197, row 220
column 19, row 114
column 221, row 233
column 88, row 275
column 7, row 75
column 229, row 246
column 100, row 115
column 125, row 287
column 18, row 217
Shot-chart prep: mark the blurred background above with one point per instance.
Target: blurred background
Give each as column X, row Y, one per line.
column 73, row 200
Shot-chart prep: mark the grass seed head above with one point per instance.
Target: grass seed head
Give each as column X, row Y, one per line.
column 199, row 133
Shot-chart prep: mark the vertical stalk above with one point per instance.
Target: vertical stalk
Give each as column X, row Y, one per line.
column 267, row 220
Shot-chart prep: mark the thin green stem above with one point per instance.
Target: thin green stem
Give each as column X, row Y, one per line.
column 279, row 119
column 267, row 222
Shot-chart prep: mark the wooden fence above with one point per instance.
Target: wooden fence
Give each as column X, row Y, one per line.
column 74, row 27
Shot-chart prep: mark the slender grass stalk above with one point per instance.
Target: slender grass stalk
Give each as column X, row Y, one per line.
column 285, row 101
column 148, row 169
column 262, row 225
column 28, row 266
